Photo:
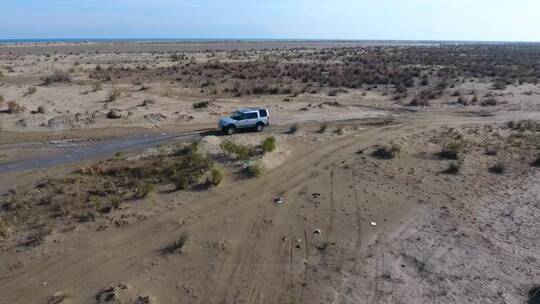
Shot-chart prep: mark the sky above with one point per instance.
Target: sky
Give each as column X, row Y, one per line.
column 472, row 20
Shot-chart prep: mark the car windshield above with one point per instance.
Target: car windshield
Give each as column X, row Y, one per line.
column 236, row 115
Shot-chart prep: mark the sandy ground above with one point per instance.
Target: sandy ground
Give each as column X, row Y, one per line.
column 328, row 221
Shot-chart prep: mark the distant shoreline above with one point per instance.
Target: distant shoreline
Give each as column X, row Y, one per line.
column 74, row 46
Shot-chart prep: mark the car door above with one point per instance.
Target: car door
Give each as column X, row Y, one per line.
column 246, row 121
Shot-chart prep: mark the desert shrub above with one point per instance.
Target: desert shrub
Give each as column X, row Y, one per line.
column 489, row 102
column 216, row 176
column 499, row 84
column 269, row 144
column 177, row 245
column 339, row 131
column 58, row 298
column 14, row 107
column 88, row 216
column 293, row 129
column 57, row 76
column 96, row 86
column 536, row 163
column 253, row 170
column 242, row 152
column 114, row 95
column 386, row 152
column 453, row 168
column 462, row 100
column 147, row 102
column 189, row 169
column 525, row 125
column 31, row 90
column 144, row 188
column 497, row 168
column 323, row 128
column 491, row 150
column 1, row 99
column 201, row 105
column 4, row 229
column 419, row 102
column 450, row 150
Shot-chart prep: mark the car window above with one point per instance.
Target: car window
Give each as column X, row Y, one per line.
column 263, row 113
column 237, row 116
column 249, row 116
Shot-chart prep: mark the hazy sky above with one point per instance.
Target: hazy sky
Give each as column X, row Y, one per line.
column 502, row 20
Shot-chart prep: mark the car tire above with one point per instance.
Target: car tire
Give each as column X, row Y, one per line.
column 259, row 127
column 230, row 130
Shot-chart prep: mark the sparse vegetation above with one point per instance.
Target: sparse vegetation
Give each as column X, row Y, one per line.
column 216, row 176
column 453, row 168
column 96, row 86
column 525, row 125
column 144, row 188
column 14, row 108
column 499, row 84
column 201, row 105
column 293, row 129
column 450, row 150
column 57, row 76
column 497, row 168
column 253, row 170
column 489, row 102
column 4, row 229
column 242, row 152
column 269, row 144
column 177, row 245
column 114, row 95
column 386, row 152
column 323, row 128
column 30, row 91
column 536, row 163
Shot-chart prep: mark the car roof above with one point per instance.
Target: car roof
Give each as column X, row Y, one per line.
column 250, row 109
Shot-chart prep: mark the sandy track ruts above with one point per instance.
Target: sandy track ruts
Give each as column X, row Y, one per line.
column 258, row 255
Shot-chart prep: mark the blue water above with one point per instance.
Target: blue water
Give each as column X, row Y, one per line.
column 75, row 40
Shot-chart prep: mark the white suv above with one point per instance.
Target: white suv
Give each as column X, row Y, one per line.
column 256, row 118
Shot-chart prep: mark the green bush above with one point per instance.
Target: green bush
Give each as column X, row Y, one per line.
column 269, row 144
column 254, row 170
column 189, row 168
column 217, row 176
column 242, row 152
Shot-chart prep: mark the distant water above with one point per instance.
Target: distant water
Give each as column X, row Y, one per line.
column 79, row 40
column 194, row 40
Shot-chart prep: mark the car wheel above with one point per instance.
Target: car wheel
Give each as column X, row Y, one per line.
column 260, row 127
column 230, row 130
